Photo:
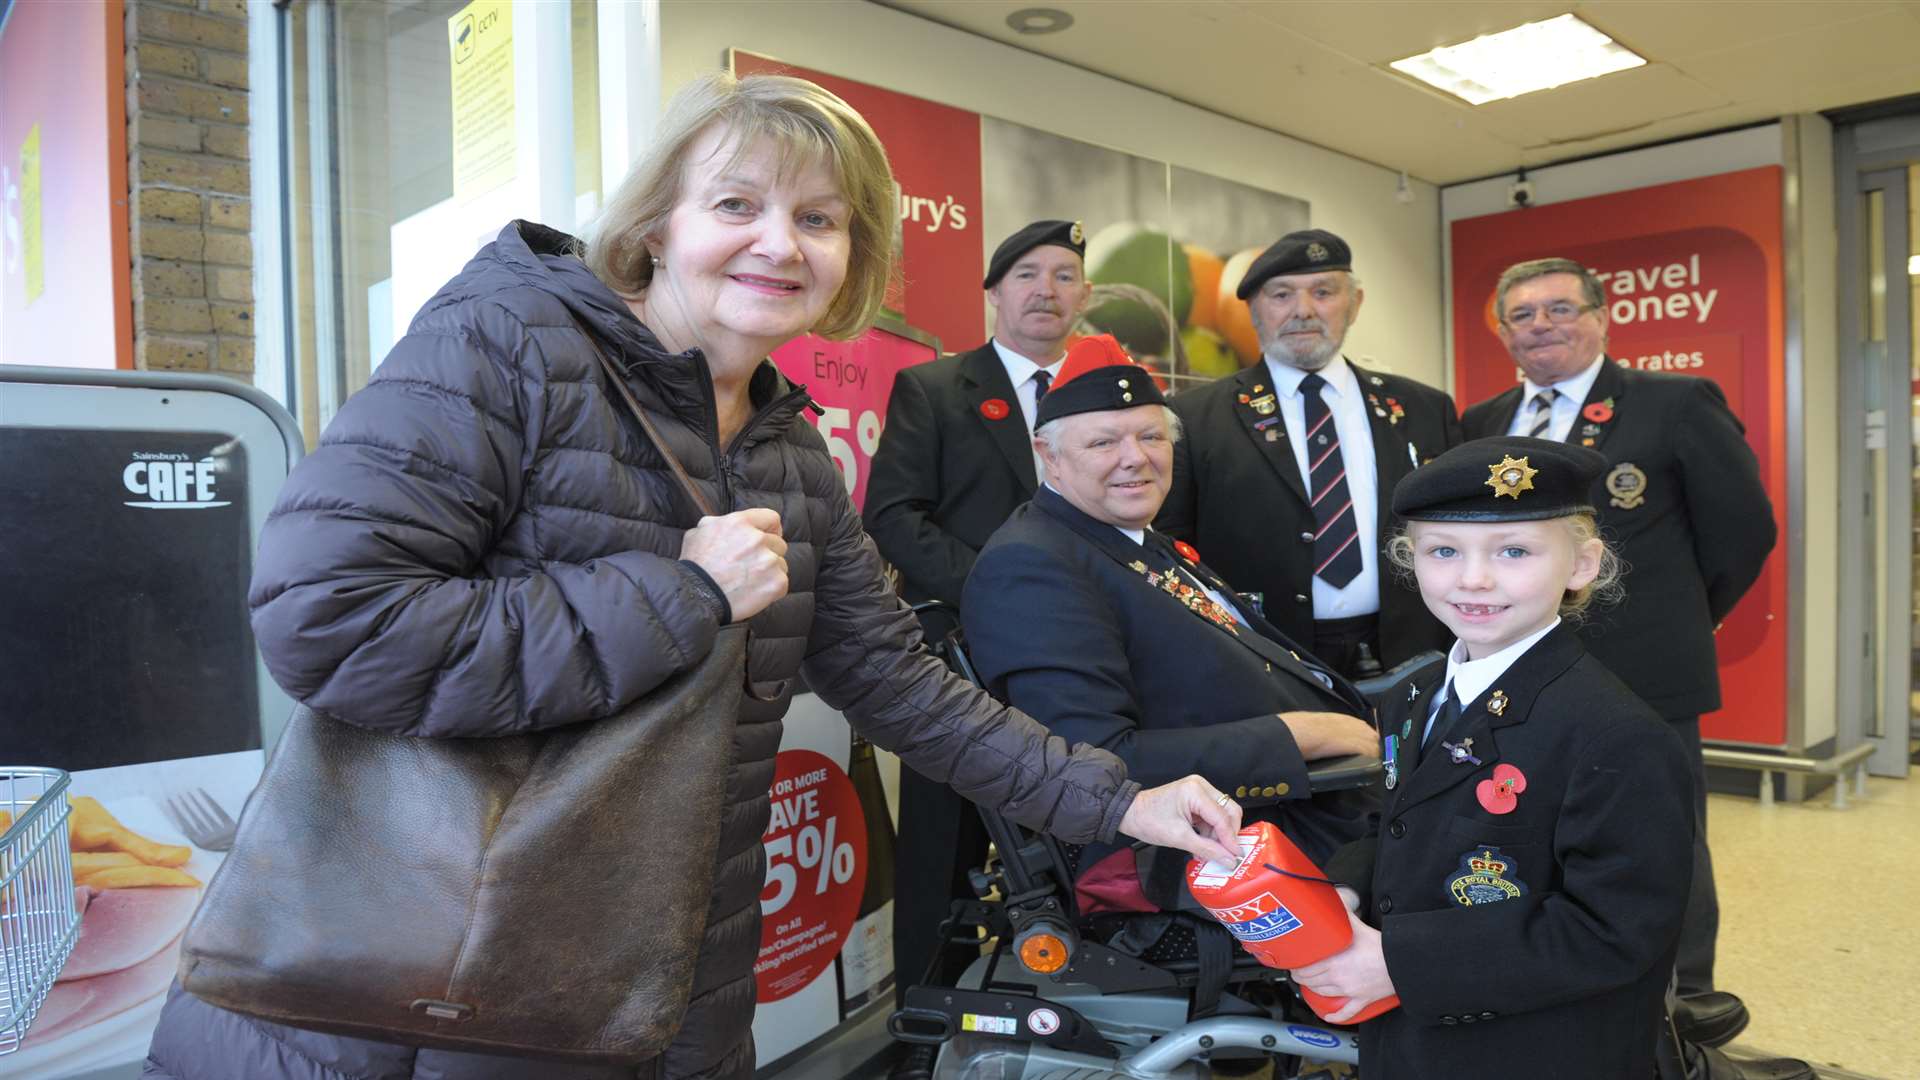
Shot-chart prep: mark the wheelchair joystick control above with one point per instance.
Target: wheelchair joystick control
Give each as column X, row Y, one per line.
column 1281, row 908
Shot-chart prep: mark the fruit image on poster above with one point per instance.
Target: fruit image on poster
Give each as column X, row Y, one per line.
column 1692, row 282
column 816, row 842
column 1166, row 246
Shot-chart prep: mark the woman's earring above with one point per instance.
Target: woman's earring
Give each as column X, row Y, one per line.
column 657, row 262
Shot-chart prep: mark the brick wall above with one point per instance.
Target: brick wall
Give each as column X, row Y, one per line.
column 188, row 170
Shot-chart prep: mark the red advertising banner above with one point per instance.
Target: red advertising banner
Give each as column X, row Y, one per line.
column 935, row 153
column 851, row 381
column 1693, row 275
column 816, row 844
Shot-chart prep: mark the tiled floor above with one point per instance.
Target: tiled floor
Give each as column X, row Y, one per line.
column 1820, row 925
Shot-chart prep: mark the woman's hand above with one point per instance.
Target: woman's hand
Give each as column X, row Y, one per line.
column 1189, row 814
column 1357, row 973
column 1328, row 734
column 744, row 554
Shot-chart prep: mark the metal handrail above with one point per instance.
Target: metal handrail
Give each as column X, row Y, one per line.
column 1853, row 759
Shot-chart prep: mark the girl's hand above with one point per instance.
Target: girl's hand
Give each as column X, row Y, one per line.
column 1357, row 973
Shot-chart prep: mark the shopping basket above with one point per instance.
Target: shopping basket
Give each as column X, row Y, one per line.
column 38, row 919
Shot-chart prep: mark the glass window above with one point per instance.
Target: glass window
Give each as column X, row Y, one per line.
column 375, row 218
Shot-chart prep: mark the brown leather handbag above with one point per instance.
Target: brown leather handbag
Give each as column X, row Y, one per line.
column 501, row 896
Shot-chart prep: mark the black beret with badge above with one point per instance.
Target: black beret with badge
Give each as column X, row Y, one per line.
column 1506, row 478
column 1097, row 376
column 1066, row 234
column 1309, row 251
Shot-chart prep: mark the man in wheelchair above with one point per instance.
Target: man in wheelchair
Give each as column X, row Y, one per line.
column 1084, row 618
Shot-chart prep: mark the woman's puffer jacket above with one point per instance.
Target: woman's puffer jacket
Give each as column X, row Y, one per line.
column 484, row 544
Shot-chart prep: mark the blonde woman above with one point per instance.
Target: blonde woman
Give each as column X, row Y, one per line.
column 485, row 544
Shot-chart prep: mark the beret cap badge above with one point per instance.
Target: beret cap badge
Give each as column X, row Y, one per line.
column 1078, row 234
column 1316, row 253
column 1511, row 477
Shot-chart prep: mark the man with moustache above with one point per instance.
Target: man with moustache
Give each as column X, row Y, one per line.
column 1683, row 501
column 955, row 458
column 1283, row 478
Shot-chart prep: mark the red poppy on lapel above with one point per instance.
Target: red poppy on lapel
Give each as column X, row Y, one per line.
column 1501, row 794
column 994, row 409
column 1599, row 412
column 1186, row 551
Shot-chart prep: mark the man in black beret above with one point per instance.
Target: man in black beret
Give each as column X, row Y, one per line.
column 1284, row 474
column 955, row 458
column 1110, row 633
column 1683, row 495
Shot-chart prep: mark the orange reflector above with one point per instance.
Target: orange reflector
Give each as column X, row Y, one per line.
column 1043, row 953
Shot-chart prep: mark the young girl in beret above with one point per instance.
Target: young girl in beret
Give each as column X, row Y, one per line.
column 1523, row 888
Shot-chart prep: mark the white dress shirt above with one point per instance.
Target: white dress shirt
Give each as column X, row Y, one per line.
column 1020, row 373
column 1471, row 678
column 1566, row 407
column 1348, row 403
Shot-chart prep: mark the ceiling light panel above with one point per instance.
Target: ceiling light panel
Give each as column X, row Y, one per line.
column 1532, row 56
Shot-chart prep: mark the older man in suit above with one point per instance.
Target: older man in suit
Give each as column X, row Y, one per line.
column 1683, row 501
column 954, row 459
column 1283, row 477
column 1113, row 634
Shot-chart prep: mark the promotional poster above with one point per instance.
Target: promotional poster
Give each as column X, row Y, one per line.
column 1693, row 285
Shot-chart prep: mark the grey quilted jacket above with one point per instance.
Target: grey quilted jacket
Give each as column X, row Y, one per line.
column 483, row 543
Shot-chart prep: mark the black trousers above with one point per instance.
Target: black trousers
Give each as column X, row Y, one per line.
column 1336, row 643
column 1701, row 927
column 941, row 838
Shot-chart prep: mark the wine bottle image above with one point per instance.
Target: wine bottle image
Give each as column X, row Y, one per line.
column 865, row 966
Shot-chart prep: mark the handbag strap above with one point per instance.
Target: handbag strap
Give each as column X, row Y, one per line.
column 679, row 471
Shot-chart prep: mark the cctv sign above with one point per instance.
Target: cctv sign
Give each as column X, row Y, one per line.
column 172, row 481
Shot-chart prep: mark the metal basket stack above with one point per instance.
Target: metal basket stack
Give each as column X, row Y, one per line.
column 38, row 918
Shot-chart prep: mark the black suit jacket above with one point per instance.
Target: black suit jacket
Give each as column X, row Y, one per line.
column 1694, row 534
column 1566, row 979
column 1066, row 625
column 945, row 475
column 1238, row 496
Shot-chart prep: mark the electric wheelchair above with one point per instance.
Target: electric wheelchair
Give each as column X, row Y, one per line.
column 1058, row 995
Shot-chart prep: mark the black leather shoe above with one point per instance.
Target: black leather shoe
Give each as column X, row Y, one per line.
column 1709, row 1019
column 915, row 1062
column 1707, row 1063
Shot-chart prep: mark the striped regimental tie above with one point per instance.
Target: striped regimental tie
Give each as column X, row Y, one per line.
column 1336, row 546
column 1542, row 413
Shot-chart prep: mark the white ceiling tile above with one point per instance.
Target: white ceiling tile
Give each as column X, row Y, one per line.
column 1615, row 103
column 1674, row 31
column 1808, row 63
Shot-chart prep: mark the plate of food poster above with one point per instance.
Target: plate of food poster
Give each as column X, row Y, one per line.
column 138, row 877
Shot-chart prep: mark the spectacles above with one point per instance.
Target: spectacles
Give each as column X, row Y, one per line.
column 1558, row 314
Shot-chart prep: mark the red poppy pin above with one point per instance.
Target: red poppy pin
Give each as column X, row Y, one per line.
column 1599, row 412
column 1501, row 794
column 994, row 409
column 1186, row 551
